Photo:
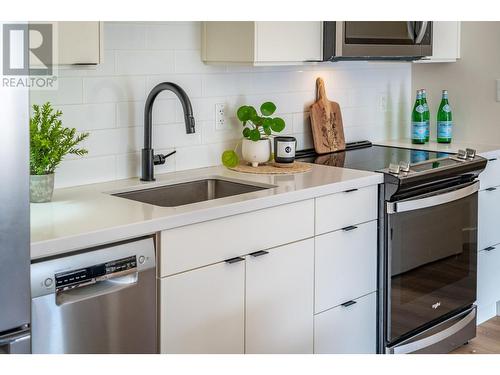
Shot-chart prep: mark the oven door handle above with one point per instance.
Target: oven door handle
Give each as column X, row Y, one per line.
column 433, row 200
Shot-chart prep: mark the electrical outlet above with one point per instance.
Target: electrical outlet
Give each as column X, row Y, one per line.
column 220, row 116
column 382, row 104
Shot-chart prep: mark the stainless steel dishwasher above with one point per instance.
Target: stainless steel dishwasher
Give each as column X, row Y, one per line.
column 98, row 301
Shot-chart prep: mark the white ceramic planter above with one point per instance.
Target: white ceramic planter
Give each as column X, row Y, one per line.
column 256, row 152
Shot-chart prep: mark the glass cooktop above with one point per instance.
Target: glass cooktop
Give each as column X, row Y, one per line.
column 372, row 157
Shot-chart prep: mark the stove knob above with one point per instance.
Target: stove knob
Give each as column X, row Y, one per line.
column 462, row 154
column 142, row 259
column 404, row 166
column 48, row 282
column 471, row 153
column 394, row 169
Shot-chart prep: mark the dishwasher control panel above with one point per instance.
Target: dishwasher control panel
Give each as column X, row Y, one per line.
column 89, row 275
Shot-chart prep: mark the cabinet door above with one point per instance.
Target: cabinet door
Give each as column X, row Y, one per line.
column 79, row 43
column 202, row 311
column 488, row 218
column 445, row 42
column 279, row 299
column 347, row 329
column 288, row 41
column 488, row 277
column 345, row 265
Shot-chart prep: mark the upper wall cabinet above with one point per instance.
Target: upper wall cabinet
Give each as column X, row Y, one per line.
column 76, row 43
column 445, row 42
column 262, row 43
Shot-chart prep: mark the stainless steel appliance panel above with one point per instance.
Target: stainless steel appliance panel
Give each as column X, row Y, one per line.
column 14, row 210
column 111, row 313
column 432, row 258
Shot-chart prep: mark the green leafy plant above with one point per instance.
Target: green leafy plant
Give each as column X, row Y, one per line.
column 255, row 128
column 50, row 141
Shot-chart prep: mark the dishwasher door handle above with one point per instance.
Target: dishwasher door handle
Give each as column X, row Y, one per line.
column 100, row 288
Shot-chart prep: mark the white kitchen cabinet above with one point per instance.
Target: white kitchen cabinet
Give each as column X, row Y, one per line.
column 213, row 241
column 445, row 42
column 490, row 177
column 340, row 210
column 488, row 282
column 349, row 329
column 345, row 265
column 75, row 43
column 203, row 311
column 488, row 218
column 262, row 43
column 279, row 299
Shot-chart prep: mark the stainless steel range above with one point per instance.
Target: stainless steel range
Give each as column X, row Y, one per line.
column 427, row 244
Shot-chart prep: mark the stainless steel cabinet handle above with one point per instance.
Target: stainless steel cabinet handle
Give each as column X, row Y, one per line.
column 348, row 303
column 421, row 33
column 350, row 190
column 234, row 260
column 491, row 189
column 259, row 253
column 432, row 200
column 489, row 248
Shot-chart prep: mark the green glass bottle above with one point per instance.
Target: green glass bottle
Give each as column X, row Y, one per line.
column 444, row 120
column 427, row 115
column 417, row 121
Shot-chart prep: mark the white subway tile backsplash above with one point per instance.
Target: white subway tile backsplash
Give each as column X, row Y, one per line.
column 86, row 117
column 108, row 101
column 142, row 63
column 113, row 89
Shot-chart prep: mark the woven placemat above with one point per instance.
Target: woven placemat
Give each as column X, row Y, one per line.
column 271, row 168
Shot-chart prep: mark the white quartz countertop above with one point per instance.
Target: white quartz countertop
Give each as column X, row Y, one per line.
column 87, row 216
column 440, row 147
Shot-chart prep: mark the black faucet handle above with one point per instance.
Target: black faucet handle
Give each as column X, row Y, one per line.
column 160, row 158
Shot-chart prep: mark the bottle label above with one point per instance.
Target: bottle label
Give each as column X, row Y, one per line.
column 418, row 129
column 426, row 107
column 420, row 108
column 446, row 108
column 444, row 129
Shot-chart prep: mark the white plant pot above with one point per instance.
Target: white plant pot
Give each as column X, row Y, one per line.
column 256, row 152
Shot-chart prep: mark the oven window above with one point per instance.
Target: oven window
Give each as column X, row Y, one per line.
column 433, row 263
column 374, row 32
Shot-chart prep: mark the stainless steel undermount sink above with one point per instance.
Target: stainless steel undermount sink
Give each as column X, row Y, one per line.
column 190, row 192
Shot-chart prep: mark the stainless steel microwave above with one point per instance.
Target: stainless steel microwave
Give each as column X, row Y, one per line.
column 377, row 40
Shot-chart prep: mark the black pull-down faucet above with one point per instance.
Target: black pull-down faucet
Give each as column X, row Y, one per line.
column 149, row 159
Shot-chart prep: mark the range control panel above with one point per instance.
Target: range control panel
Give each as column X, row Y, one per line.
column 89, row 275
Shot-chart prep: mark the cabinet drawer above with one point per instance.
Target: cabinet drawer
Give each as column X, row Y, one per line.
column 345, row 265
column 347, row 330
column 340, row 210
column 488, row 218
column 488, row 277
column 491, row 175
column 198, row 245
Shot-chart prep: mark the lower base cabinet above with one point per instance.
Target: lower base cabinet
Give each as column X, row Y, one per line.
column 203, row 311
column 279, row 300
column 347, row 329
column 488, row 282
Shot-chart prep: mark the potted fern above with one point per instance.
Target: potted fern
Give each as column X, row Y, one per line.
column 49, row 143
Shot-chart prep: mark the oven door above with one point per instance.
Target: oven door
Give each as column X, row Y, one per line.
column 432, row 258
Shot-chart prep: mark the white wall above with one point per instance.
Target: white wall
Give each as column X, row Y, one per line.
column 109, row 101
column 470, row 82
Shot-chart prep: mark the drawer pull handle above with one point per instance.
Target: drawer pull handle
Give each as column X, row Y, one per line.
column 348, row 303
column 349, row 228
column 492, row 159
column 489, row 248
column 259, row 253
column 234, row 260
column 350, row 190
column 491, row 189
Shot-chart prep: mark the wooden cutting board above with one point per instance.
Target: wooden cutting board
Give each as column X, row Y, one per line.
column 326, row 122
